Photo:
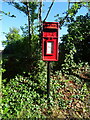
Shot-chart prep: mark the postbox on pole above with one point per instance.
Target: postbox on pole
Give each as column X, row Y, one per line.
column 50, row 41
column 49, row 47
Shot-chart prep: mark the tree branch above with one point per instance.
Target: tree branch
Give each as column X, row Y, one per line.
column 49, row 10
column 8, row 14
column 40, row 11
column 63, row 20
column 40, row 21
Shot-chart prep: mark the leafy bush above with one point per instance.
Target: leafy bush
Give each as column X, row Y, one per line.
column 25, row 97
column 17, row 59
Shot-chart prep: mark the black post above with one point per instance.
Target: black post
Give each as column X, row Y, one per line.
column 48, row 81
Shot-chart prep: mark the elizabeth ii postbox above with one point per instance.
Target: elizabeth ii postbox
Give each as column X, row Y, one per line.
column 50, row 41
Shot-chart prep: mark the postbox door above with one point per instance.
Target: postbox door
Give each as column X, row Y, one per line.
column 50, row 49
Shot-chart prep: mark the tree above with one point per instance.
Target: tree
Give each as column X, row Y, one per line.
column 16, row 59
column 67, row 45
column 77, row 43
column 29, row 8
column 71, row 12
column 79, row 31
column 13, row 35
column 75, row 46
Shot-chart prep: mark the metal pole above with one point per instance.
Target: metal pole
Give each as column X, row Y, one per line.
column 48, row 81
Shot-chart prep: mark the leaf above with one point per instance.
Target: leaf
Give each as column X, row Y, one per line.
column 8, row 13
column 5, row 110
column 13, row 16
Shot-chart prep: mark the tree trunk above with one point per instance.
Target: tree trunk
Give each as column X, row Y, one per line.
column 29, row 32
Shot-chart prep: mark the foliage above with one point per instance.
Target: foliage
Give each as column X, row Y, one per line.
column 24, row 30
column 69, row 96
column 21, row 100
column 23, row 7
column 76, row 43
column 80, row 27
column 25, row 97
column 71, row 12
column 75, row 47
column 27, row 7
column 8, row 14
column 11, row 36
column 16, row 56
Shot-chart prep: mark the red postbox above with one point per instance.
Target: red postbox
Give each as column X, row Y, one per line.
column 50, row 41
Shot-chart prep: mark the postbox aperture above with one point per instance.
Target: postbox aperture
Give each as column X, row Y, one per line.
column 50, row 41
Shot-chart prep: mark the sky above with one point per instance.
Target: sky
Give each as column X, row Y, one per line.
column 21, row 18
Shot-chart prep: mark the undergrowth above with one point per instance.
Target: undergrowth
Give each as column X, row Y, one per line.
column 25, row 97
